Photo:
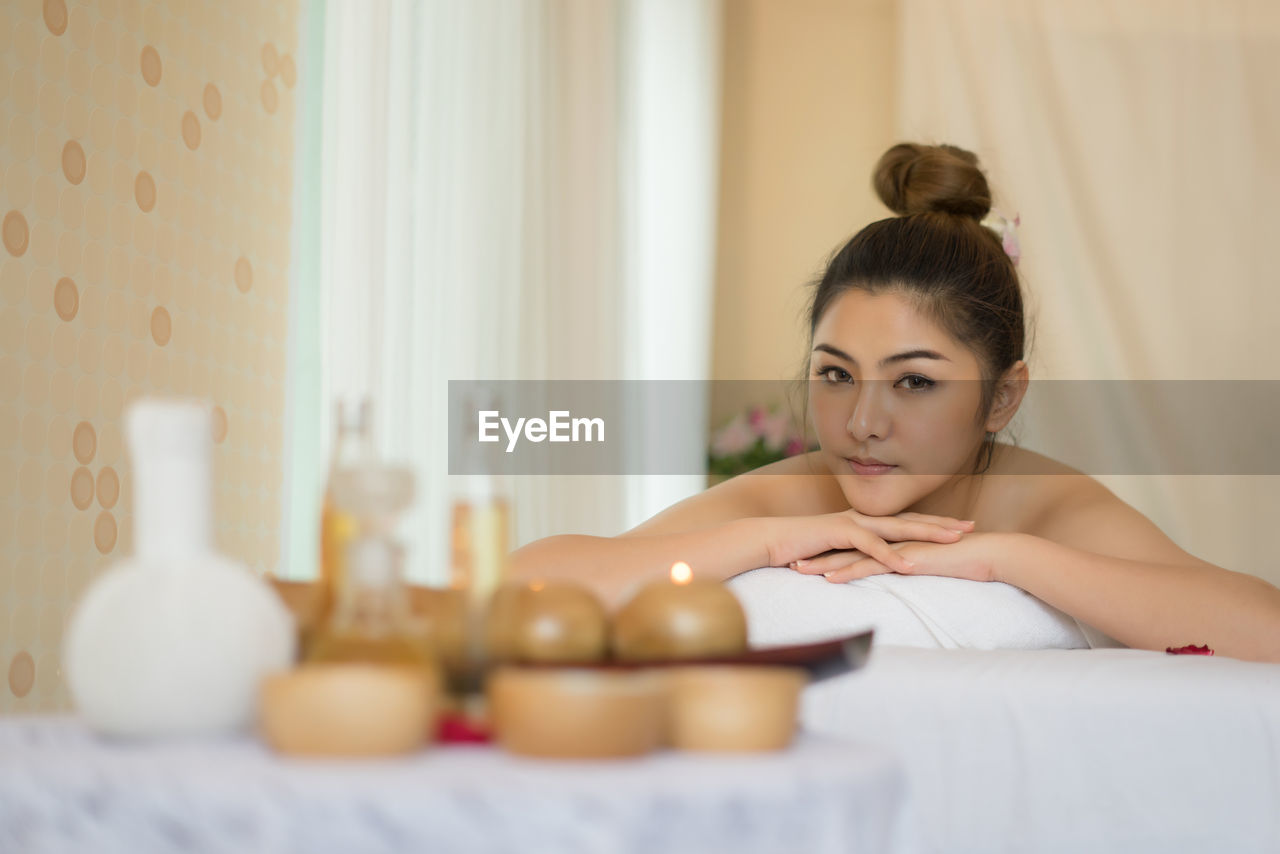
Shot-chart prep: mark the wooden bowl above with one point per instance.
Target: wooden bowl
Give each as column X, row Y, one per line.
column 576, row 713
column 733, row 707
column 349, row 709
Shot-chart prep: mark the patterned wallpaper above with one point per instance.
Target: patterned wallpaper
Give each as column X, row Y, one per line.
column 145, row 152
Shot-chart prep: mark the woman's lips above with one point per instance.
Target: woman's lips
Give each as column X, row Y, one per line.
column 859, row 468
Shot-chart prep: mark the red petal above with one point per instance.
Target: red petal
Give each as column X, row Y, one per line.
column 457, row 729
column 1191, row 649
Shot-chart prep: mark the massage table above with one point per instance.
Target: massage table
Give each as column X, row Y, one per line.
column 1022, row 730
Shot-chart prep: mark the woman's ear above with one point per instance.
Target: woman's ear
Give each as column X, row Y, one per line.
column 1009, row 393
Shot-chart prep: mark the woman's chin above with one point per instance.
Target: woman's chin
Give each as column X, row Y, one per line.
column 875, row 500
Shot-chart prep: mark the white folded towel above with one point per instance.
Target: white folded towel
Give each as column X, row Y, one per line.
column 784, row 607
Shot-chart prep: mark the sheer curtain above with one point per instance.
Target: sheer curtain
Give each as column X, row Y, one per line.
column 513, row 190
column 1139, row 142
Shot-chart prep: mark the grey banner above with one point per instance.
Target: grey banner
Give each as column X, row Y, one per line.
column 611, row 427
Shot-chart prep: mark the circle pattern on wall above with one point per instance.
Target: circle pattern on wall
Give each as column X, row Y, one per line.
column 16, row 233
column 144, row 191
column 142, row 165
column 66, row 299
column 212, row 102
column 151, row 67
column 73, row 161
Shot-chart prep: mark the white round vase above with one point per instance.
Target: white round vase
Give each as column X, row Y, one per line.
column 176, row 639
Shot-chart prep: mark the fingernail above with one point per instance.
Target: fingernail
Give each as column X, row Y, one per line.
column 802, row 563
column 970, row 522
column 957, row 531
column 908, row 564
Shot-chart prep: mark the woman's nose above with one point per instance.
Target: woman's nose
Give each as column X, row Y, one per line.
column 869, row 417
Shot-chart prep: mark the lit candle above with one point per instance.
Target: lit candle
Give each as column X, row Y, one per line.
column 680, row 619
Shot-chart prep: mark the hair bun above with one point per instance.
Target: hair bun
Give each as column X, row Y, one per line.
column 913, row 179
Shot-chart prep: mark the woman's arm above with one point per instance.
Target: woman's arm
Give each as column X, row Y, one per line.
column 614, row 566
column 1100, row 560
column 1148, row 605
column 1097, row 558
column 1090, row 554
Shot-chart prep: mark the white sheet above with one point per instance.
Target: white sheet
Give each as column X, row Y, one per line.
column 65, row 791
column 1024, row 751
column 784, row 606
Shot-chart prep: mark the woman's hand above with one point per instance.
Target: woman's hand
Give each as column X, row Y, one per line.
column 801, row 538
column 972, row 557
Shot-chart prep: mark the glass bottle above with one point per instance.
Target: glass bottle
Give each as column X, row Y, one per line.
column 480, row 540
column 370, row 619
column 352, row 448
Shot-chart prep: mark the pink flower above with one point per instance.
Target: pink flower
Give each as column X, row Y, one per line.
column 733, row 439
column 795, row 445
column 776, row 430
column 1011, row 246
column 757, row 417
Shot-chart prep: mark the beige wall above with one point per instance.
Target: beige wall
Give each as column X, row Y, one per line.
column 808, row 108
column 145, row 153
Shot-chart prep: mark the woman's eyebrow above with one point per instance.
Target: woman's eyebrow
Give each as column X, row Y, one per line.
column 899, row 357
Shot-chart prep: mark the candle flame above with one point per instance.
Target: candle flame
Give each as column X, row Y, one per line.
column 681, row 573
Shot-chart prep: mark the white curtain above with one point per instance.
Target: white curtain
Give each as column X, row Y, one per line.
column 517, row 191
column 1139, row 142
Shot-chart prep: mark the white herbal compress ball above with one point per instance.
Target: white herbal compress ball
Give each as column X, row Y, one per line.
column 174, row 640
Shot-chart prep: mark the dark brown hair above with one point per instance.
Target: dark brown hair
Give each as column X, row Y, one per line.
column 937, row 253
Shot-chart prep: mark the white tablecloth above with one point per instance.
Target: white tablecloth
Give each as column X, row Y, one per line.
column 63, row 789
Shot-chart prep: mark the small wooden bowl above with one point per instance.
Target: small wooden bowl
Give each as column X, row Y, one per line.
column 576, row 713
column 349, row 709
column 733, row 707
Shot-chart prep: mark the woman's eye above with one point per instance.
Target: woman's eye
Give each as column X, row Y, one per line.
column 915, row 382
column 834, row 375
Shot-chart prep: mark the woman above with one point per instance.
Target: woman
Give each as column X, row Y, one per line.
column 916, row 334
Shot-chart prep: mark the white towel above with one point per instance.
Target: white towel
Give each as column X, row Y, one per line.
column 784, row 607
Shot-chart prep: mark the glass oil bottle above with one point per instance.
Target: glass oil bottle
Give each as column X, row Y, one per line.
column 370, row 620
column 352, row 448
column 480, row 543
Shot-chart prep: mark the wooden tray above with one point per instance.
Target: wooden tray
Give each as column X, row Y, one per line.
column 822, row 660
column 439, row 608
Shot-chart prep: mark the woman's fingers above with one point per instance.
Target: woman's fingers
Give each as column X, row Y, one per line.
column 841, row 566
column 944, row 521
column 900, row 529
column 826, row 562
column 864, row 567
column 928, row 532
column 869, row 544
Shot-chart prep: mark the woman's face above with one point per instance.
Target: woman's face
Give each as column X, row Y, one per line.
column 887, row 384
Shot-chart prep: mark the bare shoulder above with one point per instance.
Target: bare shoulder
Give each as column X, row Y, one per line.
column 1059, row 503
column 1020, row 487
column 1041, row 487
column 796, row 486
